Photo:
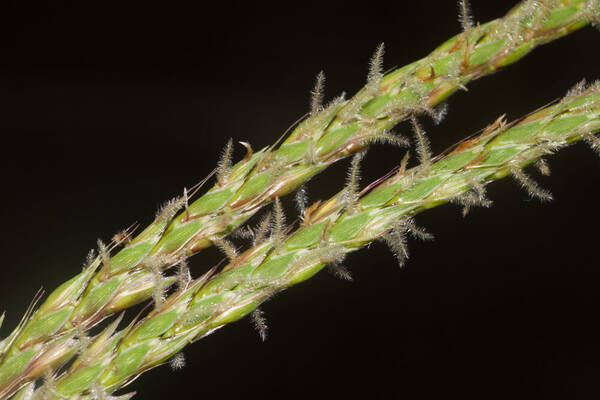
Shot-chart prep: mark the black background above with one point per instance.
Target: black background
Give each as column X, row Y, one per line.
column 107, row 110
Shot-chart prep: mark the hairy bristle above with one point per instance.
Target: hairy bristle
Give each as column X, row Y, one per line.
column 84, row 342
column 464, row 15
column 386, row 138
column 376, row 67
column 278, row 224
column 396, row 241
column 317, row 94
column 575, row 91
column 422, row 143
column 105, row 257
column 530, row 185
column 226, row 248
column 262, row 230
column 311, row 153
column 242, row 232
column 260, row 323
column 470, row 199
column 90, row 258
column 120, row 238
column 301, row 199
column 593, row 141
column 158, row 293
column 48, row 389
column 404, row 163
column 416, row 231
column 167, row 211
column 352, row 183
column 340, row 271
column 184, row 276
column 542, row 166
column 186, row 203
column 177, row 362
column 439, row 113
column 225, row 162
column 98, row 392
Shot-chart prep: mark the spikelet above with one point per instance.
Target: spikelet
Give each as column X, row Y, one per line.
column 278, row 224
column 422, row 143
column 105, row 257
column 464, row 15
column 262, row 230
column 225, row 162
column 316, row 95
column 528, row 184
column 352, row 183
column 376, row 68
column 301, row 199
column 260, row 323
column 542, row 167
column 177, row 362
column 226, row 248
